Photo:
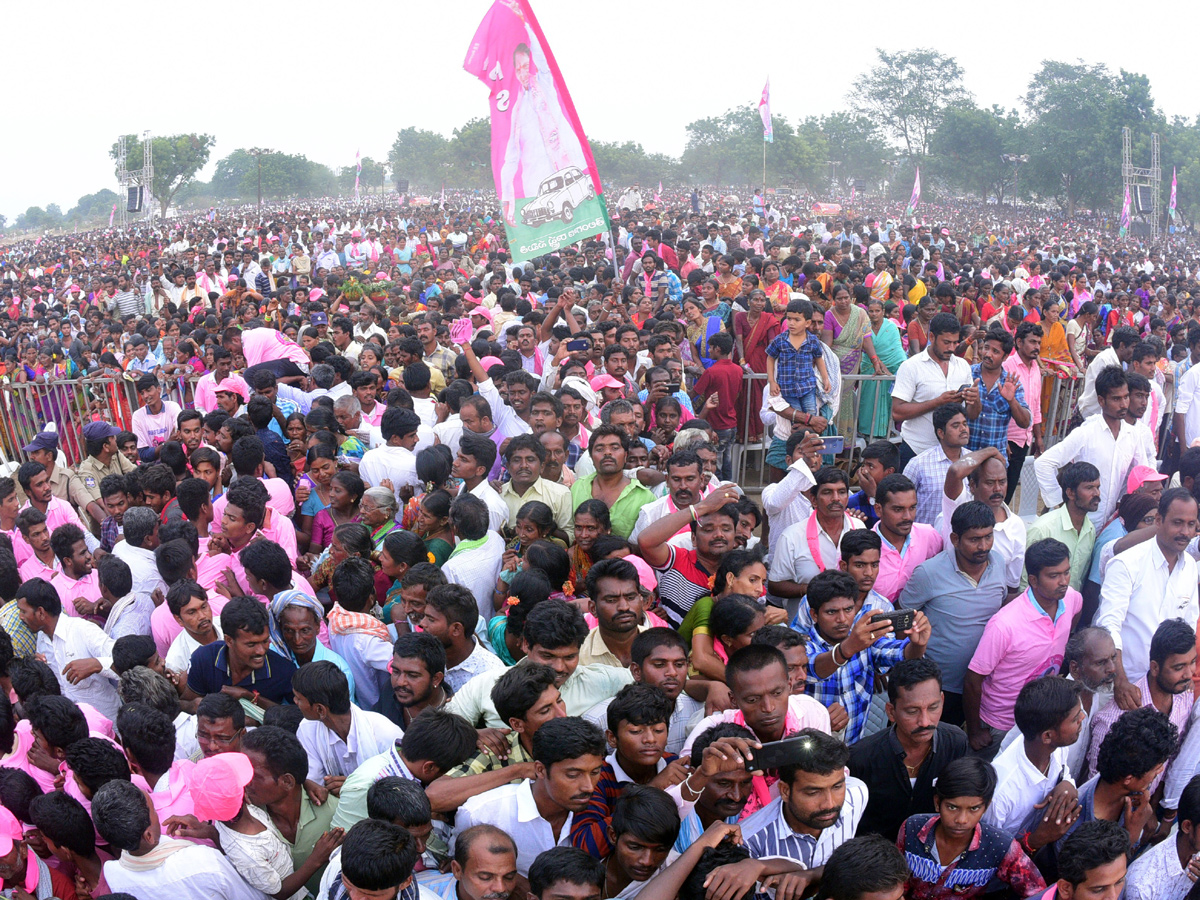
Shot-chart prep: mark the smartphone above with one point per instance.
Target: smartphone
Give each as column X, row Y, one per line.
column 833, row 444
column 901, row 619
column 576, row 346
column 673, row 387
column 778, row 753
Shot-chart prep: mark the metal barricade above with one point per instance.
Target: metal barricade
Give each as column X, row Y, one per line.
column 26, row 408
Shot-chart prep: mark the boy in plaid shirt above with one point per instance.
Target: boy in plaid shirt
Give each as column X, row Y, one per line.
column 792, row 358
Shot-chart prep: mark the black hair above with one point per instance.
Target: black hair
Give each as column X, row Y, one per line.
column 469, row 517
column 132, row 650
column 31, row 678
column 354, row 584
column 1043, row 554
column 555, row 624
column 322, row 682
column 1110, row 378
column 1044, row 703
column 819, row 754
column 149, row 735
column 942, row 416
column 968, row 776
column 399, row 800
column 569, row 864
column 64, row 538
column 243, row 614
column 1072, row 475
column 908, row 673
column 651, row 639
column 943, row 323
column 896, row 483
column 1090, row 846
column 60, row 721
column 40, row 594
column 1173, row 637
column 779, row 636
column 858, row 541
column 569, row 738
column 885, row 452
column 174, row 561
column 647, row 813
column 284, row 716
column 1138, row 741
column 870, row 864
column 973, row 514
column 422, row 646
column 830, row 585
column 269, row 562
column 96, row 762
column 725, row 853
column 63, row 820
column 753, row 658
column 121, row 814
column 221, row 706
column 440, row 737
column 639, row 704
column 518, row 689
column 280, row 749
column 378, row 855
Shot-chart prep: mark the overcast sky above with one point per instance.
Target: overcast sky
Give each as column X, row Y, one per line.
column 328, row 79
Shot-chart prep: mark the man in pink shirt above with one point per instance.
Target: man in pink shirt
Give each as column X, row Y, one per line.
column 206, row 394
column 36, row 484
column 157, row 419
column 906, row 542
column 1022, row 642
column 78, row 584
column 268, row 348
column 1023, row 365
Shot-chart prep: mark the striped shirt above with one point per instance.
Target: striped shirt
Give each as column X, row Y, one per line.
column 768, row 835
column 127, row 303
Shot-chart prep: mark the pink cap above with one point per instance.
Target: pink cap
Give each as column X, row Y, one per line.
column 356, row 233
column 234, row 384
column 483, row 311
column 488, row 361
column 11, row 831
column 216, row 785
column 599, row 382
column 1140, row 475
column 646, row 576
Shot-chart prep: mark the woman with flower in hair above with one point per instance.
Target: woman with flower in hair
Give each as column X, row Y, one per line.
column 433, row 523
column 591, row 521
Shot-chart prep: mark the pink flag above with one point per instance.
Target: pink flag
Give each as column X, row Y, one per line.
column 111, row 214
column 357, row 171
column 764, row 110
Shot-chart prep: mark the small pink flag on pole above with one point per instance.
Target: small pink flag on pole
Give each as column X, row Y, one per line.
column 764, row 110
column 111, row 215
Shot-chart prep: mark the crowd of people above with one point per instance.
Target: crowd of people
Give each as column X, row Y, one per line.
column 383, row 568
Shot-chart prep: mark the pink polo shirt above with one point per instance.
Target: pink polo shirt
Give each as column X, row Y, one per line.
column 1020, row 643
column 896, row 566
column 86, row 588
column 262, row 344
column 1030, row 377
column 35, row 568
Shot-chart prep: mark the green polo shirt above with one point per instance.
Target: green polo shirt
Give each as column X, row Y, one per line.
column 1057, row 524
column 314, row 822
column 624, row 512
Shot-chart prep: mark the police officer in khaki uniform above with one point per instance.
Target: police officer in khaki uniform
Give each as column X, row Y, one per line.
column 44, row 449
column 102, row 459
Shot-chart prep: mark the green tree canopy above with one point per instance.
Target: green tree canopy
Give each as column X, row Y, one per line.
column 178, row 158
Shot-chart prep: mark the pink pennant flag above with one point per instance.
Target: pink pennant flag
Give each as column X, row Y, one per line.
column 111, row 214
column 764, row 110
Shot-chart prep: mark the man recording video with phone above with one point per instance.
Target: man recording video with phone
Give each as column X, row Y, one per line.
column 849, row 644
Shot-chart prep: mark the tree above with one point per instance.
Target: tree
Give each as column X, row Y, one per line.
column 3, row 221
column 728, row 149
column 370, row 178
column 34, row 217
column 227, row 177
column 909, row 93
column 470, row 154
column 177, row 159
column 93, row 206
column 855, row 141
column 969, row 146
column 417, row 155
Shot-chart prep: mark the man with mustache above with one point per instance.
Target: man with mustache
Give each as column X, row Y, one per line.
column 568, row 756
column 959, row 590
column 811, row 546
column 685, row 486
column 905, row 542
column 1082, row 490
column 1023, row 641
column 417, row 675
column 625, row 497
column 818, row 808
column 243, row 665
column 1091, row 659
column 986, row 479
column 484, row 865
column 1166, row 687
column 615, row 595
column 1164, row 577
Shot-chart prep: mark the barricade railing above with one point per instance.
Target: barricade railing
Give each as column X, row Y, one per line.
column 26, row 408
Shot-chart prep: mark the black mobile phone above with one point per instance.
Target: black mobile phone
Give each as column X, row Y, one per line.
column 901, row 619
column 576, row 346
column 779, row 753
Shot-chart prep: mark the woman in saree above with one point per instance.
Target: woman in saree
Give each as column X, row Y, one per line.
column 729, row 285
column 752, row 332
column 714, row 306
column 1055, row 360
column 777, row 291
column 699, row 329
column 875, row 421
column 880, row 281
column 847, row 331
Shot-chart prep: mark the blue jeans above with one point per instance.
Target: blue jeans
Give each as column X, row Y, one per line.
column 725, row 439
column 805, row 403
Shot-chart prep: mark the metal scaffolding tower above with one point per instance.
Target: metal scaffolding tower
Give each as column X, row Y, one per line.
column 142, row 177
column 1135, row 177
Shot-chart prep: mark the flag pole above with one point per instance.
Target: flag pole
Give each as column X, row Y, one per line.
column 764, row 173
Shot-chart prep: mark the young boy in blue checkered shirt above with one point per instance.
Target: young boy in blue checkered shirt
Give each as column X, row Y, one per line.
column 792, row 358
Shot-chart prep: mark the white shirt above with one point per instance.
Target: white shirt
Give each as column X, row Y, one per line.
column 1187, row 403
column 179, row 655
column 920, row 379
column 398, row 464
column 507, row 422
column 143, row 567
column 477, row 571
column 793, row 558
column 1020, row 785
column 1161, row 594
column 512, row 809
column 370, row 734
column 480, row 659
column 1008, row 536
column 368, row 657
column 784, row 501
column 1093, row 442
column 195, row 873
column 449, row 432
column 1089, row 404
column 76, row 638
column 497, row 508
column 1157, row 874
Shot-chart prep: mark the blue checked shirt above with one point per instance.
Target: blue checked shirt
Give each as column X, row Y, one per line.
column 927, row 470
column 991, row 428
column 795, row 371
column 853, row 684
